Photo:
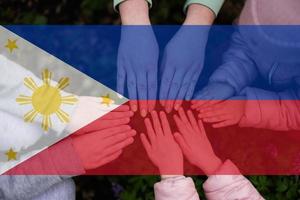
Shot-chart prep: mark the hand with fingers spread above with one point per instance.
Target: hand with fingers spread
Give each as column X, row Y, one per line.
column 194, row 142
column 182, row 64
column 161, row 147
column 212, row 94
column 223, row 114
column 101, row 140
column 88, row 111
column 101, row 147
column 137, row 64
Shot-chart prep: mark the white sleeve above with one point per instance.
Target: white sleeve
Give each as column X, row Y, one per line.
column 230, row 187
column 176, row 188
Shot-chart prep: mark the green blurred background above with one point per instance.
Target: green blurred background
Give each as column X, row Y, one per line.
column 101, row 12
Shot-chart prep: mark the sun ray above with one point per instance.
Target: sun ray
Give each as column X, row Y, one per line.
column 62, row 83
column 46, row 76
column 70, row 100
column 62, row 115
column 23, row 100
column 46, row 100
column 29, row 82
column 46, row 123
column 30, row 116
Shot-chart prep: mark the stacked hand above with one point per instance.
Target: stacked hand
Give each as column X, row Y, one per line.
column 194, row 142
column 181, row 65
column 103, row 140
column 137, row 63
column 165, row 149
column 212, row 94
column 161, row 147
column 223, row 114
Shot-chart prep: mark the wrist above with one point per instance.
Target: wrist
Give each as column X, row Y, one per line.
column 171, row 171
column 198, row 14
column 212, row 164
column 134, row 12
column 164, row 177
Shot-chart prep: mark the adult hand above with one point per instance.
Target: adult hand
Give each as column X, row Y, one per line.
column 194, row 143
column 182, row 64
column 161, row 147
column 90, row 109
column 101, row 147
column 212, row 94
column 226, row 113
column 137, row 63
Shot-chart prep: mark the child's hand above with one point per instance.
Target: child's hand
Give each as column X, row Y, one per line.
column 211, row 94
column 224, row 114
column 137, row 67
column 182, row 64
column 90, row 109
column 101, row 147
column 161, row 147
column 194, row 143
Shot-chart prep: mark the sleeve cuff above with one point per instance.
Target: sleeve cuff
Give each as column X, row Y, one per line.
column 228, row 174
column 117, row 2
column 177, row 187
column 214, row 5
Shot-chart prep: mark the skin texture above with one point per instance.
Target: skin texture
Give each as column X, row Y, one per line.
column 101, row 147
column 103, row 140
column 194, row 143
column 161, row 145
column 135, row 68
column 224, row 114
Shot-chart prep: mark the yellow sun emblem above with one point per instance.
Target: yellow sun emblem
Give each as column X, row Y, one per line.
column 46, row 100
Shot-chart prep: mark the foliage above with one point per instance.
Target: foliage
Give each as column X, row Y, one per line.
column 96, row 12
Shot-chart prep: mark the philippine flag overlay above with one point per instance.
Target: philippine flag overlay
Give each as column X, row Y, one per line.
column 198, row 100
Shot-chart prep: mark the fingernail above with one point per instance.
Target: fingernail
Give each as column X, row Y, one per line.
column 134, row 108
column 131, row 113
column 168, row 109
column 133, row 132
column 143, row 113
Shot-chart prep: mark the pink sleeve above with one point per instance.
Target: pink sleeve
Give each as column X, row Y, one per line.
column 270, row 110
column 176, row 188
column 232, row 187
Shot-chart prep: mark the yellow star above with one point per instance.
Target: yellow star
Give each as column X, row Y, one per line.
column 11, row 45
column 107, row 100
column 11, row 154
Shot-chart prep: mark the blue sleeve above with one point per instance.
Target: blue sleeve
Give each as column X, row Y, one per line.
column 238, row 69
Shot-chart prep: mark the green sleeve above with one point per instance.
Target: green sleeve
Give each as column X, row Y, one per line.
column 117, row 2
column 214, row 5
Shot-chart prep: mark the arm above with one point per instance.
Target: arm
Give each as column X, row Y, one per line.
column 135, row 63
column 181, row 69
column 25, row 187
column 237, row 71
column 213, row 6
column 160, row 145
column 230, row 186
column 134, row 12
column 178, row 187
column 271, row 110
column 198, row 150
